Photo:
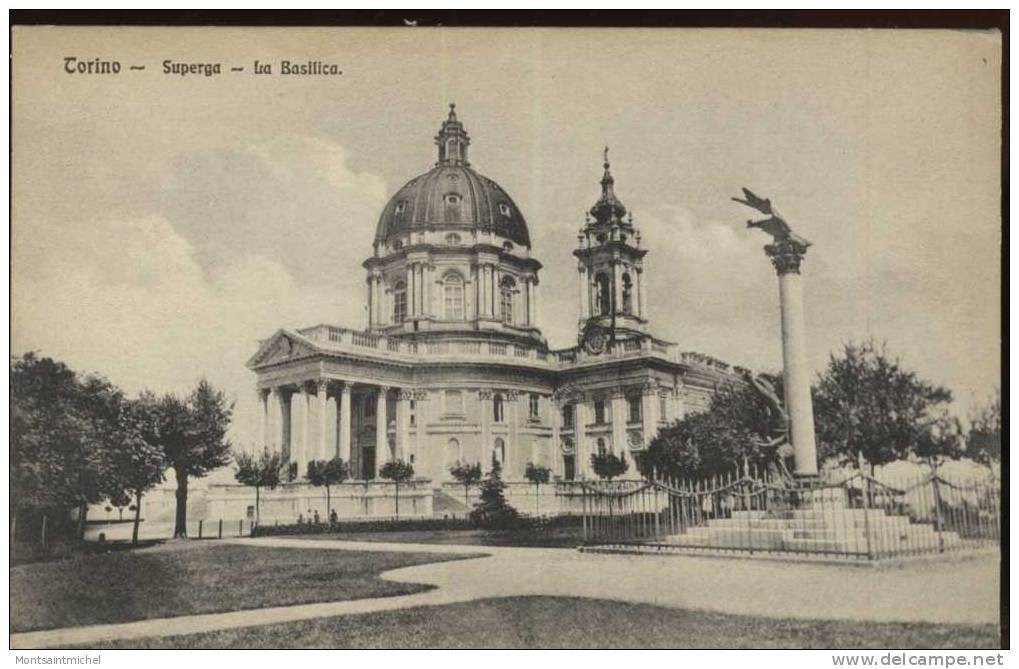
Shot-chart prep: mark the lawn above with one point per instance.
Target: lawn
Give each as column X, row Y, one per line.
column 554, row 622
column 179, row 578
column 564, row 537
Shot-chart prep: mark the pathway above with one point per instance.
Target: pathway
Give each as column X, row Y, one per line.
column 942, row 592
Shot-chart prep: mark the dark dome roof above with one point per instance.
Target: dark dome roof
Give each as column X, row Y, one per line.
column 452, row 196
column 480, row 203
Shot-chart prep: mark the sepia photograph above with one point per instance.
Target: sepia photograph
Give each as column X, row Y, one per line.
column 428, row 335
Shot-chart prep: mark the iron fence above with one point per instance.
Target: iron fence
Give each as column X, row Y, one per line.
column 850, row 515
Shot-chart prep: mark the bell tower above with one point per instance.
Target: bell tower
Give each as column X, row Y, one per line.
column 611, row 268
column 452, row 141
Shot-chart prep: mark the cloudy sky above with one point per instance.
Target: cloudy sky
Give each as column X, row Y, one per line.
column 163, row 224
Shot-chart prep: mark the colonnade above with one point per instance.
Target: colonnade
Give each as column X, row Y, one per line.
column 314, row 420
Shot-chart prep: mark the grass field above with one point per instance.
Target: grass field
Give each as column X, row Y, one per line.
column 552, row 622
column 179, row 578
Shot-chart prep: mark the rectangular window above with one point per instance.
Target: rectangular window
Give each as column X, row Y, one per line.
column 599, row 412
column 412, row 418
column 634, row 403
column 568, row 417
column 534, row 406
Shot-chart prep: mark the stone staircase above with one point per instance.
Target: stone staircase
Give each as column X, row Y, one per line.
column 446, row 505
column 828, row 530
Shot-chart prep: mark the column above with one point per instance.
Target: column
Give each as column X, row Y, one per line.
column 286, row 423
column 275, row 421
column 422, row 460
column 263, row 403
column 403, row 424
column 344, row 423
column 582, row 297
column 556, row 420
column 371, row 303
column 617, row 287
column 619, row 424
column 485, row 400
column 531, row 285
column 580, row 419
column 786, row 256
column 322, row 395
column 649, row 412
column 534, row 309
column 639, row 283
column 381, row 440
column 304, row 450
column 512, row 402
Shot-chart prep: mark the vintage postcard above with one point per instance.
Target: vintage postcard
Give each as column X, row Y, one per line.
column 341, row 337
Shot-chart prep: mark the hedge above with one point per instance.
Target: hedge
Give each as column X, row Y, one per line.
column 406, row 525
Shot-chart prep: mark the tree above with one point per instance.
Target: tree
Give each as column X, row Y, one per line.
column 739, row 427
column 493, row 510
column 327, row 473
column 983, row 443
column 192, row 434
column 63, row 430
column 139, row 464
column 609, row 465
column 467, row 475
column 119, row 500
column 868, row 405
column 397, row 471
column 265, row 471
column 537, row 475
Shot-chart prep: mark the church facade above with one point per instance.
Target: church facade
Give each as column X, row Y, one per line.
column 453, row 368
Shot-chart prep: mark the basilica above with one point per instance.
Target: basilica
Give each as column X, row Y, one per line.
column 452, row 366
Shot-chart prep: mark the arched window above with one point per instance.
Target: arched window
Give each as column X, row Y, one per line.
column 452, row 149
column 499, row 452
column 627, row 294
column 497, row 408
column 452, row 206
column 603, row 294
column 399, row 302
column 568, row 417
column 453, row 297
column 453, row 453
column 506, row 291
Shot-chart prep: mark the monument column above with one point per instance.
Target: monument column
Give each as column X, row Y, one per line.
column 381, row 427
column 786, row 255
column 345, row 426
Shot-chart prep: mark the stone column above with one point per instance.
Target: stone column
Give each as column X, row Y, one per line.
column 617, row 287
column 286, row 424
column 619, row 424
column 786, row 256
column 534, row 296
column 583, row 297
column 485, row 402
column 582, row 463
column 275, row 421
column 510, row 469
column 381, row 427
column 344, row 423
column 556, row 418
column 639, row 283
column 649, row 412
column 263, row 402
column 403, row 424
column 307, row 452
column 423, row 459
column 321, row 388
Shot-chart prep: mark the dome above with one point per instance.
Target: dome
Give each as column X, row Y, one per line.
column 452, row 196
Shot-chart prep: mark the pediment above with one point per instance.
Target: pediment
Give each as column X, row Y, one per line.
column 282, row 347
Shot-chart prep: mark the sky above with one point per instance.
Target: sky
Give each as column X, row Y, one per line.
column 162, row 225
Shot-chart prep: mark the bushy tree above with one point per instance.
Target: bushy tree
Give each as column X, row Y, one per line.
column 66, row 434
column 740, row 426
column 192, row 434
column 609, row 465
column 983, row 443
column 492, row 510
column 140, row 464
column 397, row 471
column 537, row 475
column 868, row 405
column 466, row 475
column 266, row 471
column 327, row 473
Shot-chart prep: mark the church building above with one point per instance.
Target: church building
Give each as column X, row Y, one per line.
column 452, row 366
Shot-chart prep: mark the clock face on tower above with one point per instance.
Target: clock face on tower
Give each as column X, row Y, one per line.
column 595, row 339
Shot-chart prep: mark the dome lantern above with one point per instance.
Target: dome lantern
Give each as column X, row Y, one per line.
column 452, row 140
